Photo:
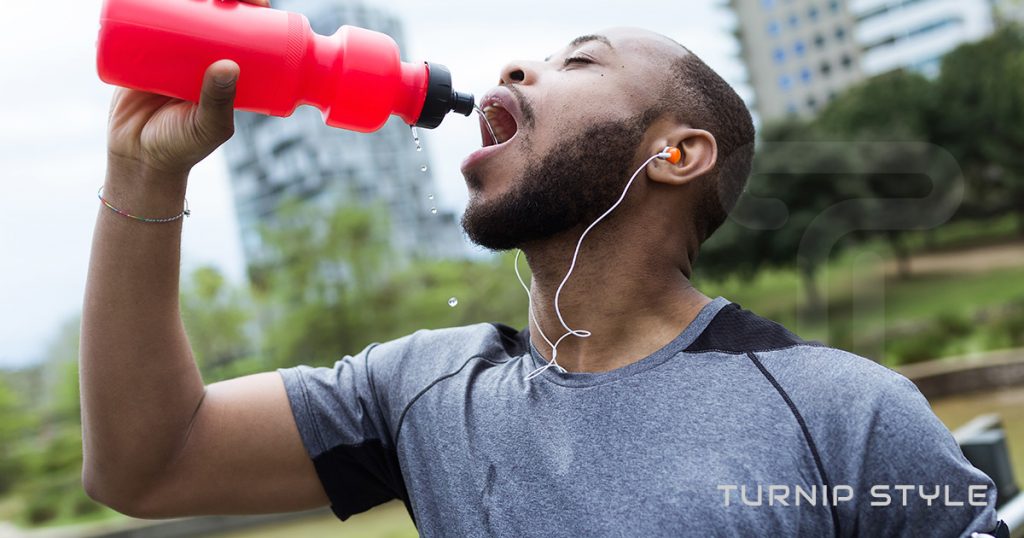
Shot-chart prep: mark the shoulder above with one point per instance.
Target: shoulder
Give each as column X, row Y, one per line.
column 400, row 369
column 430, row 352
column 796, row 363
column 868, row 425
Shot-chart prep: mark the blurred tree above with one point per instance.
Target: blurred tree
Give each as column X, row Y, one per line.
column 15, row 422
column 882, row 114
column 981, row 92
column 319, row 272
column 332, row 285
column 51, row 450
column 484, row 291
column 216, row 315
column 808, row 180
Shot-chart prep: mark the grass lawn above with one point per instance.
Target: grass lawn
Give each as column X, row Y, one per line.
column 778, row 295
column 386, row 521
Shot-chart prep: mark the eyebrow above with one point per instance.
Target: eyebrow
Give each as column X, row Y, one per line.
column 585, row 39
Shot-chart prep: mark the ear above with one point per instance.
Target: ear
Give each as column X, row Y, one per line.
column 699, row 155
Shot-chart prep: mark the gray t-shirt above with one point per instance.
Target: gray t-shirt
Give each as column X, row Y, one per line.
column 735, row 427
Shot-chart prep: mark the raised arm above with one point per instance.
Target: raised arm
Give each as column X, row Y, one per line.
column 156, row 441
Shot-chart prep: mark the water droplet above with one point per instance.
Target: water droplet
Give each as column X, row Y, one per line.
column 433, row 210
column 416, row 137
column 430, row 197
column 423, row 168
column 453, row 302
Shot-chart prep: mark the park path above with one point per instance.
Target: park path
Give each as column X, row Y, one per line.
column 969, row 260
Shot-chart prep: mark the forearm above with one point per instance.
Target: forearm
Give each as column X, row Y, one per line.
column 139, row 381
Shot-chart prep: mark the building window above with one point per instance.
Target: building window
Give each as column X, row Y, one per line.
column 812, row 13
column 812, row 103
column 785, row 82
column 847, row 61
column 840, row 33
column 833, row 6
column 799, row 48
column 768, row 4
column 791, row 109
column 794, row 21
column 805, row 75
column 773, row 29
column 819, row 41
column 826, row 68
column 779, row 55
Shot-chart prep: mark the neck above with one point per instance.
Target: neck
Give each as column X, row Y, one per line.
column 629, row 296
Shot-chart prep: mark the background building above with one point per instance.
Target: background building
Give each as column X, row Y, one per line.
column 916, row 34
column 271, row 159
column 801, row 53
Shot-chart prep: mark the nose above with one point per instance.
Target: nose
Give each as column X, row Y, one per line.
column 518, row 73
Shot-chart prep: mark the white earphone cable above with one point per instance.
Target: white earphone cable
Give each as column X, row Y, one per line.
column 573, row 332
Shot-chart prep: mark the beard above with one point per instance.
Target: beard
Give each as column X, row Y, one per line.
column 573, row 184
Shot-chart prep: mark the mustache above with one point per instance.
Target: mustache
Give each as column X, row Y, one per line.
column 524, row 104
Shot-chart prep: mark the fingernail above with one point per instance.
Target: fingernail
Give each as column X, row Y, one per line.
column 224, row 79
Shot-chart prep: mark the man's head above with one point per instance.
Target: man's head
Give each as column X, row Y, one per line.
column 583, row 119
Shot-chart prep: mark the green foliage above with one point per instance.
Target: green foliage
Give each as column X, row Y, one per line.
column 981, row 89
column 14, row 423
column 806, row 182
column 899, row 105
column 316, row 285
column 417, row 297
column 931, row 342
column 332, row 285
column 216, row 317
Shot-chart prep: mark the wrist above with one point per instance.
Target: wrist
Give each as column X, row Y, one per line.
column 143, row 191
column 120, row 168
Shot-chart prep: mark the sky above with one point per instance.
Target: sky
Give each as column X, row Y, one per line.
column 53, row 113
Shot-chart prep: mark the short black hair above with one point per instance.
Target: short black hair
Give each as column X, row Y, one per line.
column 698, row 96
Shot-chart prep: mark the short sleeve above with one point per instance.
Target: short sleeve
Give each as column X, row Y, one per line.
column 344, row 431
column 914, row 479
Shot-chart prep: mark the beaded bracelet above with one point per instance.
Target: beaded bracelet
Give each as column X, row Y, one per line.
column 185, row 213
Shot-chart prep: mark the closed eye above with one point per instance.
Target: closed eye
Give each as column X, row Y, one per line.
column 578, row 60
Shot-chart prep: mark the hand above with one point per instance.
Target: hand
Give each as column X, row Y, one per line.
column 169, row 136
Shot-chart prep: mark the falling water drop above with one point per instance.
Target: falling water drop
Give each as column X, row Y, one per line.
column 423, row 168
column 433, row 210
column 453, row 302
column 430, row 197
column 416, row 137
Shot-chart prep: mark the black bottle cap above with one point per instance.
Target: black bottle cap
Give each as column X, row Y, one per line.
column 441, row 98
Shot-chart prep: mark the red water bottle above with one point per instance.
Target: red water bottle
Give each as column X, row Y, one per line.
column 354, row 76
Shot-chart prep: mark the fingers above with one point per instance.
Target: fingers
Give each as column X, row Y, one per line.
column 264, row 3
column 215, row 118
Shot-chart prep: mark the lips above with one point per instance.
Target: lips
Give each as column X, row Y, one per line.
column 502, row 111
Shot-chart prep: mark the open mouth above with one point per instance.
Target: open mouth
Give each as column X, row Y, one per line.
column 502, row 125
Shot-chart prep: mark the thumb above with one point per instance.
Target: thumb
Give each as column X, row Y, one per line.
column 215, row 120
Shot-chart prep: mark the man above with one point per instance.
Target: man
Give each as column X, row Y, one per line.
column 678, row 415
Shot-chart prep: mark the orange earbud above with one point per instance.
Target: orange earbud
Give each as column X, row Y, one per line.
column 672, row 155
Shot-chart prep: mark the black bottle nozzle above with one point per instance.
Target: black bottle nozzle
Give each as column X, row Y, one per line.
column 441, row 98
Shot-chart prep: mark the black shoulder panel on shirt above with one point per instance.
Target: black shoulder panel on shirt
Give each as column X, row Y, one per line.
column 735, row 330
column 514, row 342
column 360, row 476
